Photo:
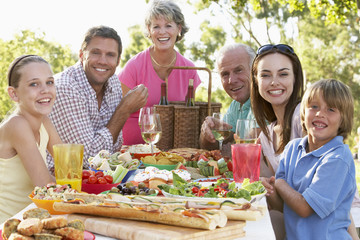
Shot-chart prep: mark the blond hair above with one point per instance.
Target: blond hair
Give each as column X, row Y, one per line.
column 336, row 95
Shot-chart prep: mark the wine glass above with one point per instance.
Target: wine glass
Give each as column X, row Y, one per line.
column 151, row 129
column 222, row 129
column 246, row 131
column 143, row 111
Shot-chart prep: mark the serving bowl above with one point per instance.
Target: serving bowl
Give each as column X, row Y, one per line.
column 161, row 167
column 97, row 188
column 46, row 204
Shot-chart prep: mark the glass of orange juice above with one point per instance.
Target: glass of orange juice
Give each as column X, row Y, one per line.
column 68, row 159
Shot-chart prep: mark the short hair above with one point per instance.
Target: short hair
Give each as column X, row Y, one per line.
column 336, row 95
column 14, row 73
column 263, row 110
column 234, row 47
column 170, row 11
column 101, row 31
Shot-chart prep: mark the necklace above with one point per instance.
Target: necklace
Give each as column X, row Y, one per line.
column 163, row 66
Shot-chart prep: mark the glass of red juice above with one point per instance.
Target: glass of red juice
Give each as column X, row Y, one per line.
column 246, row 161
column 246, row 153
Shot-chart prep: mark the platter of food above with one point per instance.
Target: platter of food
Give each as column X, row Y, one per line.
column 45, row 197
column 218, row 191
column 140, row 150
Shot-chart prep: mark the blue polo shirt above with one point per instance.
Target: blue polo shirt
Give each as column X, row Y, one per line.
column 326, row 179
column 237, row 111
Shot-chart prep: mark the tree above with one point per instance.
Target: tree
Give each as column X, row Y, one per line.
column 324, row 34
column 28, row 42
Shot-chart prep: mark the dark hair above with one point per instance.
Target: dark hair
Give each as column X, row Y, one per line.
column 263, row 110
column 16, row 65
column 101, row 31
column 170, row 11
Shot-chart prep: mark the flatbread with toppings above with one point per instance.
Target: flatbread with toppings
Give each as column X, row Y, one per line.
column 170, row 214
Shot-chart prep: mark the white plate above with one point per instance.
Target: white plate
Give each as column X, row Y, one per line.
column 254, row 198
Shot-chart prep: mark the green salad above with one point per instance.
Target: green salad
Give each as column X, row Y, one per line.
column 221, row 189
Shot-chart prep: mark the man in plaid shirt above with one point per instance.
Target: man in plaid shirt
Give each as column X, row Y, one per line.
column 89, row 107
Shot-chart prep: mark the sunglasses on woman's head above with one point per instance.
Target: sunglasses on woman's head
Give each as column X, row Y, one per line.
column 281, row 47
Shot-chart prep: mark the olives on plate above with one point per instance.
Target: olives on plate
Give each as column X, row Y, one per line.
column 128, row 188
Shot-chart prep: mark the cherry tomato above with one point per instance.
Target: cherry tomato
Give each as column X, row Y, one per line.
column 85, row 181
column 92, row 179
column 99, row 174
column 101, row 180
column 195, row 189
column 108, row 178
column 85, row 174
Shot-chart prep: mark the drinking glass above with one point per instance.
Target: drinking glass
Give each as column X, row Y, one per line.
column 222, row 130
column 246, row 131
column 68, row 160
column 246, row 153
column 147, row 111
column 151, row 129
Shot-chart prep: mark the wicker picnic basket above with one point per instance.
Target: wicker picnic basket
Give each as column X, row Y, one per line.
column 180, row 124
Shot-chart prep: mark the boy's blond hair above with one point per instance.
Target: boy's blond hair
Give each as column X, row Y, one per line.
column 336, row 95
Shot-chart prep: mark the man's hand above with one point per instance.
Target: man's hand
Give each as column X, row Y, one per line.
column 206, row 128
column 135, row 99
column 131, row 102
column 207, row 139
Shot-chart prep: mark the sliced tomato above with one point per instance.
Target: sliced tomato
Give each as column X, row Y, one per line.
column 85, row 174
column 102, row 180
column 108, row 178
column 230, row 166
column 99, row 174
column 92, row 179
column 190, row 214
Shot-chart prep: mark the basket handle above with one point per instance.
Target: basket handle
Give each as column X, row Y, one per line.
column 210, row 80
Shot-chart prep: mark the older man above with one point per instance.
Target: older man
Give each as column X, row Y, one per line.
column 234, row 65
column 89, row 107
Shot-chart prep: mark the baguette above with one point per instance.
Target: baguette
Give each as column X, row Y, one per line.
column 150, row 213
column 233, row 211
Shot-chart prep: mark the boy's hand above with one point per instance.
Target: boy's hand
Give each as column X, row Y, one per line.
column 269, row 184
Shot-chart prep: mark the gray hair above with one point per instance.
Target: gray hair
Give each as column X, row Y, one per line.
column 234, row 47
column 170, row 11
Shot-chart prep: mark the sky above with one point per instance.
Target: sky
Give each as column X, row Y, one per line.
column 66, row 21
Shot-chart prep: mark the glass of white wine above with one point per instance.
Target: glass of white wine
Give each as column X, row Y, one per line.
column 222, row 130
column 151, row 129
column 246, row 131
column 147, row 111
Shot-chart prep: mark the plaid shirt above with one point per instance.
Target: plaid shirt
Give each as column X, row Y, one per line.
column 77, row 117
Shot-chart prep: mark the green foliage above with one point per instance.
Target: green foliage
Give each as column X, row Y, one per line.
column 331, row 51
column 28, row 42
column 137, row 44
column 212, row 38
column 219, row 96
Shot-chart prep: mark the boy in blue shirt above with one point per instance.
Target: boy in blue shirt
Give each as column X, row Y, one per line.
column 315, row 183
